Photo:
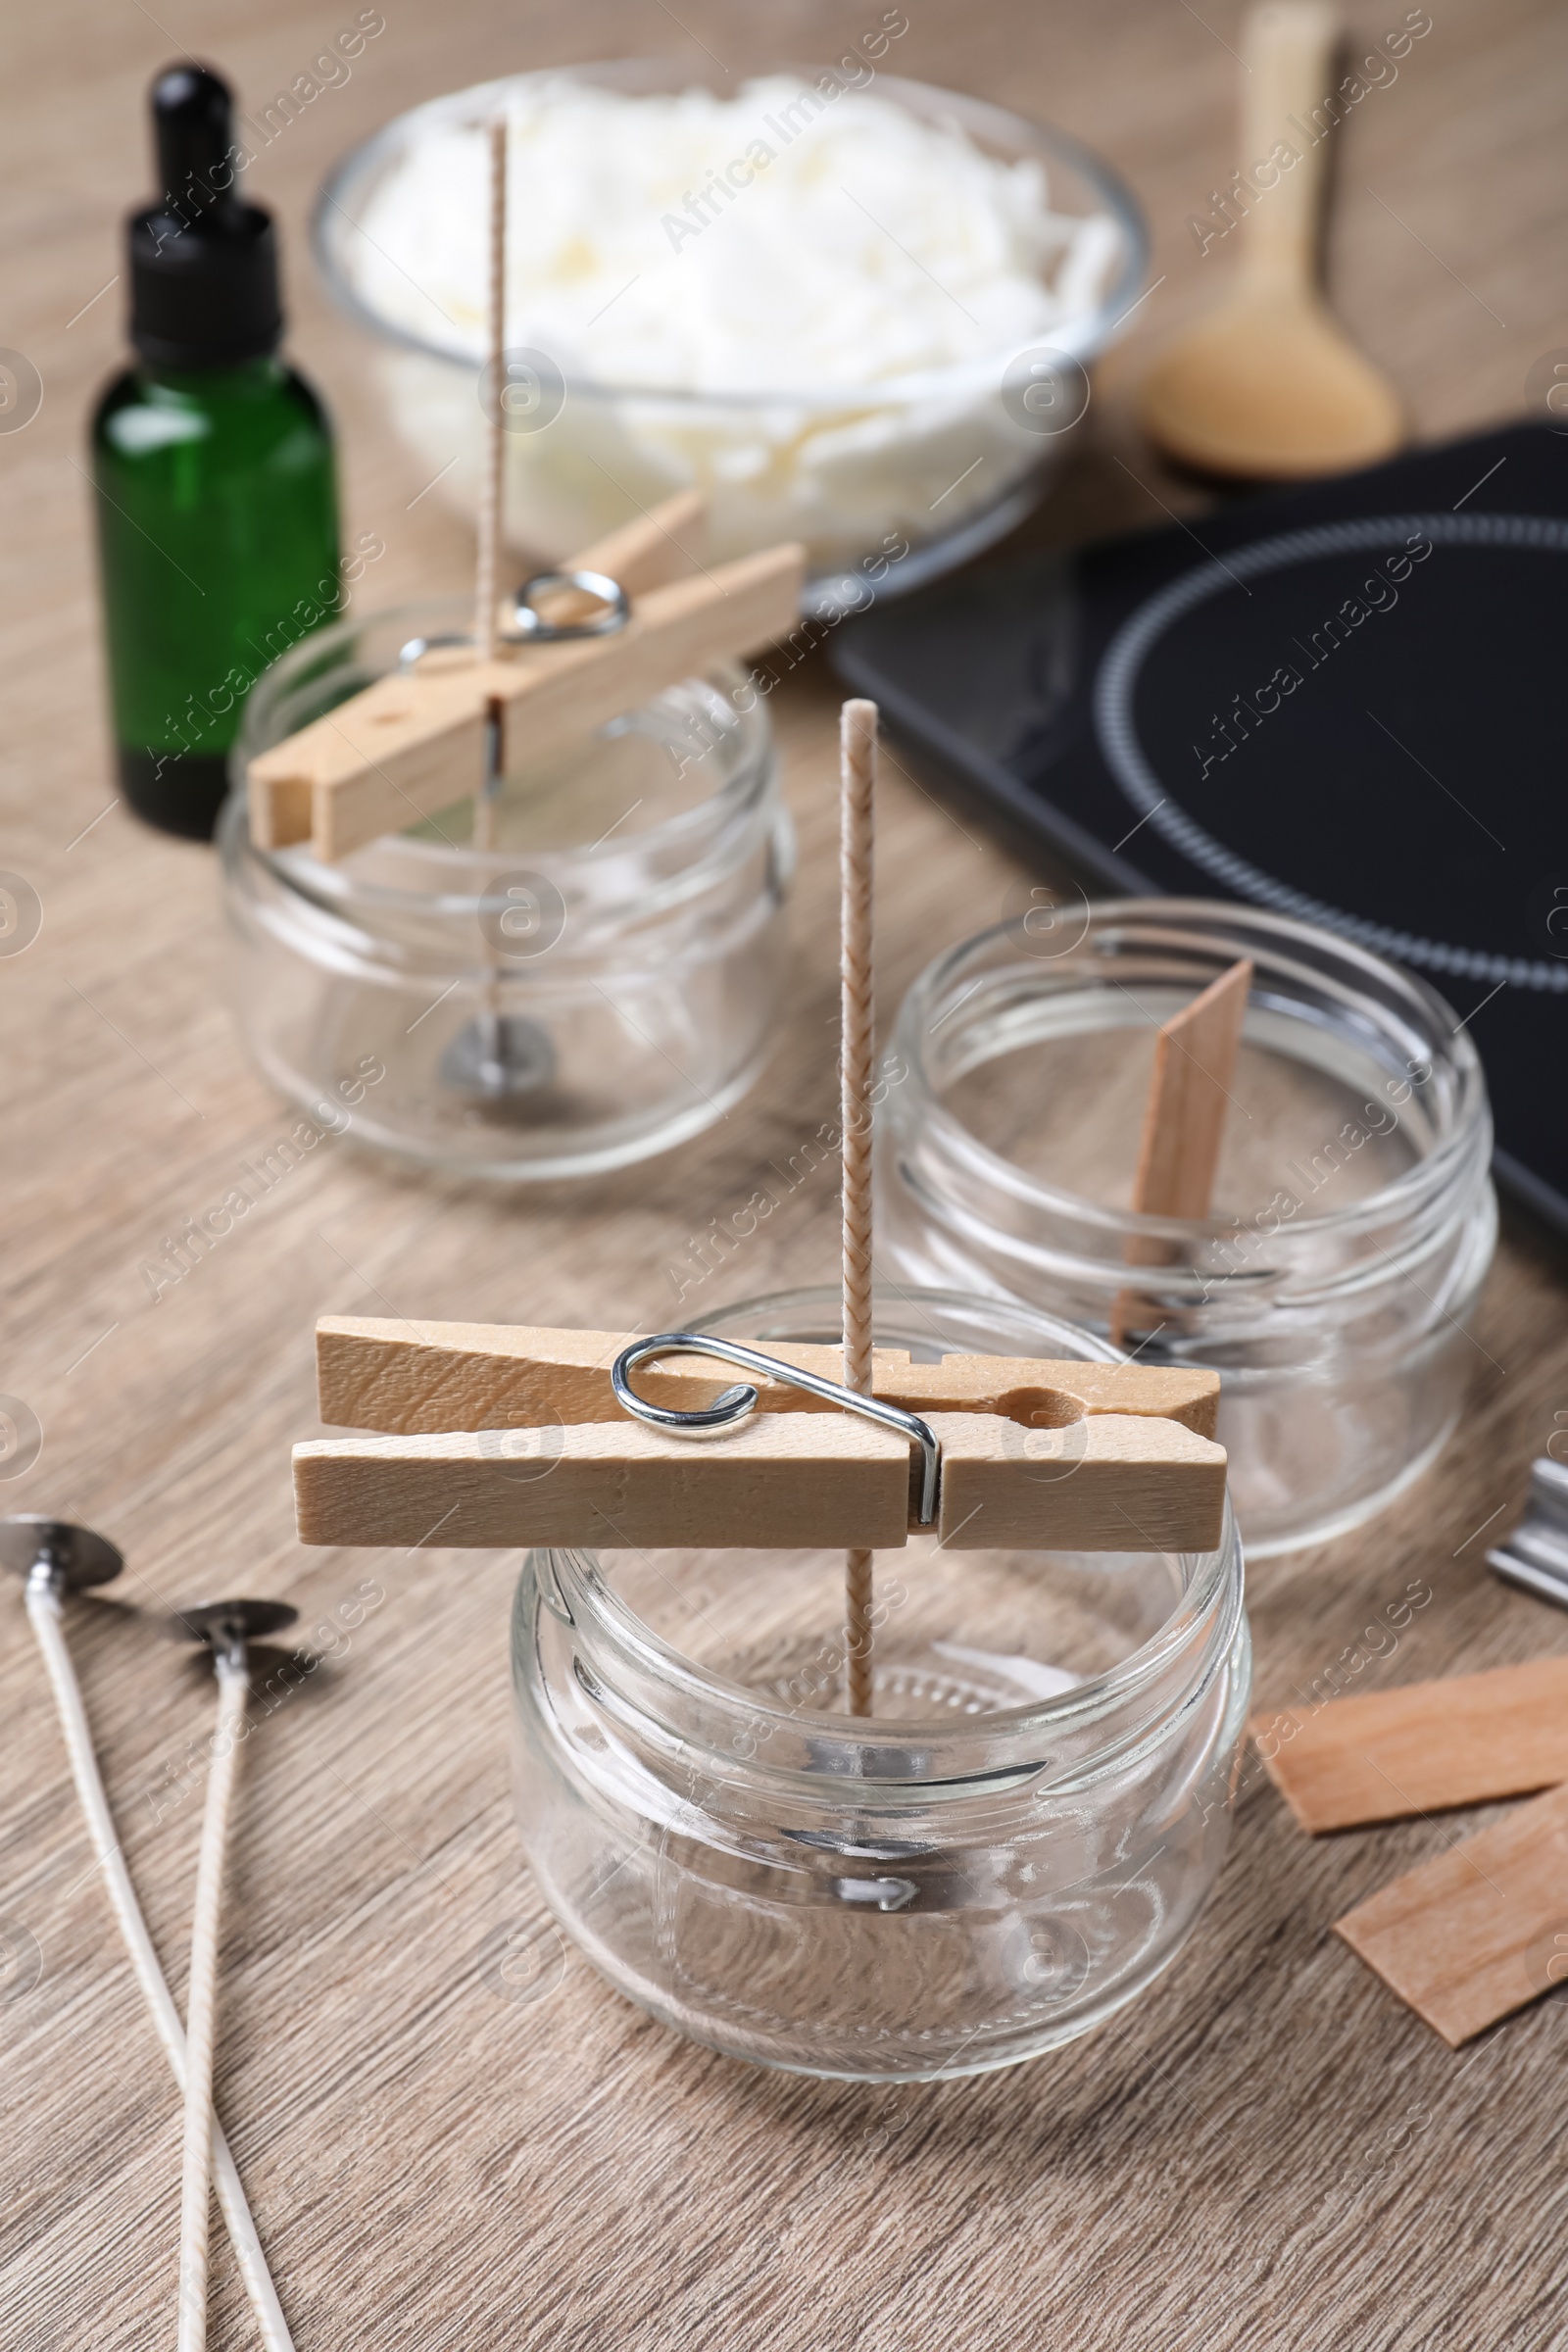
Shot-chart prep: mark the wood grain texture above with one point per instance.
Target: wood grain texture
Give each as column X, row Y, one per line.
column 374, row 1373
column 456, row 2139
column 778, row 1481
column 1464, row 1741
column 1477, row 1932
column 616, row 1486
column 1103, row 1484
column 1190, row 1097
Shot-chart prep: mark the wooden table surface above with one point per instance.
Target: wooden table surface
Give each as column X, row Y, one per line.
column 1267, row 2150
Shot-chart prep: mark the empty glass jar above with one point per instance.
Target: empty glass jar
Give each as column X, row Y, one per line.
column 1354, row 1220
column 600, row 986
column 1010, row 1849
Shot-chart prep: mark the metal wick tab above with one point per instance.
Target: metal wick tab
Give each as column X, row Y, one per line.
column 228, row 1627
column 58, row 1558
column 530, row 627
column 57, row 1554
column 735, row 1403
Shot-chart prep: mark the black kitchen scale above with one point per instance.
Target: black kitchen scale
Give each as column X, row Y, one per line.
column 1344, row 704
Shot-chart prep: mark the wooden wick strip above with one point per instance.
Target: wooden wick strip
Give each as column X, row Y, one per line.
column 1481, row 1930
column 43, row 1611
column 233, row 1689
column 1183, row 1122
column 492, row 494
column 856, row 1047
column 1466, row 1740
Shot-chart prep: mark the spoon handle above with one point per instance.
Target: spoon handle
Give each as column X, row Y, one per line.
column 1287, row 107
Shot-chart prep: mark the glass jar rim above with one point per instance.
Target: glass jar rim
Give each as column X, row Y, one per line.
column 1254, row 931
column 295, row 871
column 578, row 1572
column 1082, row 338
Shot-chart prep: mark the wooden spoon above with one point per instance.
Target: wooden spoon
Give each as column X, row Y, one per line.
column 1269, row 387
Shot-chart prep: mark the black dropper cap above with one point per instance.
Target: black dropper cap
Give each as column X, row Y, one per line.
column 203, row 263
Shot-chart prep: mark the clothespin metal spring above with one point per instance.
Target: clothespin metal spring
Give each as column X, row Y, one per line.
column 735, row 1403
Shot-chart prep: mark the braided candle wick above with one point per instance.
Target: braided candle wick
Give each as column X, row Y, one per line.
column 857, row 1048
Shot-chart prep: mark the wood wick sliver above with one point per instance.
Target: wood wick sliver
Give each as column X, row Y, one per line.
column 1184, row 1126
column 1480, row 1930
column 1421, row 1747
column 227, row 1628
column 1477, row 1932
column 58, row 1558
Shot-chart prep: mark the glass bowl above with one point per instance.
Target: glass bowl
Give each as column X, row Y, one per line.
column 887, row 483
column 1010, row 1849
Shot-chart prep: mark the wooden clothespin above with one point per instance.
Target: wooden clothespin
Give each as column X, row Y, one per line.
column 415, row 743
column 503, row 1436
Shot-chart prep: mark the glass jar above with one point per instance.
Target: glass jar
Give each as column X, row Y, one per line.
column 1012, row 1847
column 1332, row 1286
column 600, row 986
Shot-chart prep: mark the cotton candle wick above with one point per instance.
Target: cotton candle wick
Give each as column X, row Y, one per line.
column 492, row 492
column 227, row 1628
column 857, row 1044
column 58, row 1558
column 491, row 1032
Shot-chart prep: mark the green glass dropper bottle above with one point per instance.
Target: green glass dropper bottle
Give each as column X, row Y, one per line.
column 213, row 465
